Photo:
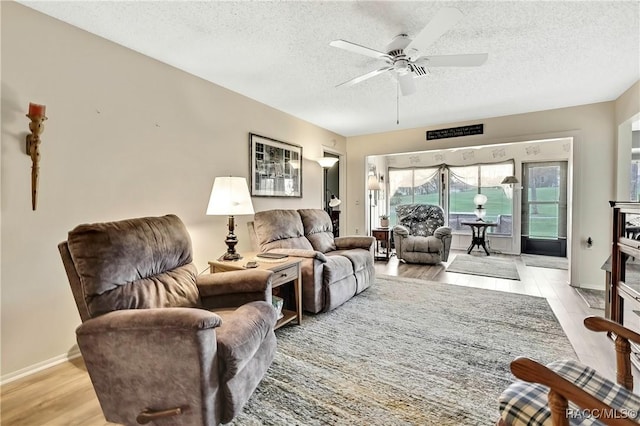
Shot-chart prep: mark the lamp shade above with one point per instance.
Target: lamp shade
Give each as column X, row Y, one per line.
column 480, row 200
column 372, row 183
column 230, row 197
column 334, row 201
column 327, row 162
column 509, row 180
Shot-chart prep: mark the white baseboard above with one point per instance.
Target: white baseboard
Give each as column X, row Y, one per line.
column 27, row 371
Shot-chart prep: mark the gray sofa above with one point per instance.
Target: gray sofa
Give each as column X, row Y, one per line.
column 420, row 236
column 333, row 269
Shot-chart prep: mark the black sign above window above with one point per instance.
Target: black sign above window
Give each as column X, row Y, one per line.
column 454, row 132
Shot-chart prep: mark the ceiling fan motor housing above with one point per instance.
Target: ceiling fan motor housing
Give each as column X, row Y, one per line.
column 404, row 56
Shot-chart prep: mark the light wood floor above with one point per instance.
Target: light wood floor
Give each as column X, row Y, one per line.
column 63, row 395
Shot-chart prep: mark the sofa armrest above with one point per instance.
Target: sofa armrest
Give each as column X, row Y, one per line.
column 400, row 231
column 312, row 254
column 150, row 319
column 442, row 231
column 354, row 241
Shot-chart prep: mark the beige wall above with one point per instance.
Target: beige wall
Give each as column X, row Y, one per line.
column 628, row 104
column 127, row 136
column 627, row 111
column 592, row 129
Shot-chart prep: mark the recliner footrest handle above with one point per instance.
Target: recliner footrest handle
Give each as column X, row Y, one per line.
column 149, row 415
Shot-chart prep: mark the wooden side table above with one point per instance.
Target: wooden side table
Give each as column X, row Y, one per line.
column 285, row 272
column 382, row 235
column 478, row 234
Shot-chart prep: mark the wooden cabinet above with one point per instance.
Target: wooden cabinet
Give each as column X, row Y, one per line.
column 623, row 289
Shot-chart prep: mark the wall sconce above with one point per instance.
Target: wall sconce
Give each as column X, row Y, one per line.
column 37, row 117
column 327, row 162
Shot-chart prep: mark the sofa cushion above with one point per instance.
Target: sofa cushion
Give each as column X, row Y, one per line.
column 279, row 229
column 360, row 259
column 135, row 263
column 422, row 244
column 318, row 229
column 336, row 268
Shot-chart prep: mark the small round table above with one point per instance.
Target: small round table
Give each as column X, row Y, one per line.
column 478, row 234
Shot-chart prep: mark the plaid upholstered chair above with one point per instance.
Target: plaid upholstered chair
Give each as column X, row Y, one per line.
column 420, row 235
column 568, row 393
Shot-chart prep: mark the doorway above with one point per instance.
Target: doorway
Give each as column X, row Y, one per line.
column 332, row 189
column 544, row 208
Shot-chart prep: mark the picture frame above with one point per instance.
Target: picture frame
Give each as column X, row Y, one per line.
column 275, row 167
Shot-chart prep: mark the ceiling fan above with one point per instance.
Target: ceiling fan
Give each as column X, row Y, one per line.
column 403, row 55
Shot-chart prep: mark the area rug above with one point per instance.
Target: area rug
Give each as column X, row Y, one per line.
column 405, row 352
column 551, row 262
column 593, row 298
column 485, row 266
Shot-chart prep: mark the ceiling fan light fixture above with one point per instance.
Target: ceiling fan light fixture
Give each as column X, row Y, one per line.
column 407, row 83
column 402, row 66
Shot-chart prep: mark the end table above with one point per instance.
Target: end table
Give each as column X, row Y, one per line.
column 285, row 272
column 382, row 235
column 478, row 234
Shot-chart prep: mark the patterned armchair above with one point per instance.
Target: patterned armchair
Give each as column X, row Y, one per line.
column 420, row 236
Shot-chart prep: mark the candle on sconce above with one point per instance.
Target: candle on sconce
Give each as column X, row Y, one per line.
column 36, row 110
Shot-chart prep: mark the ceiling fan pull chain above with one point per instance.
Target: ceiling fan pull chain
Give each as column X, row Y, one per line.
column 397, row 103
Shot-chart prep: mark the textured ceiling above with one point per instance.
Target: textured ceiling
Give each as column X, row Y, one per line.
column 542, row 54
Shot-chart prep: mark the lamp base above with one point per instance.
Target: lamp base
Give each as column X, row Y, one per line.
column 230, row 256
column 231, row 242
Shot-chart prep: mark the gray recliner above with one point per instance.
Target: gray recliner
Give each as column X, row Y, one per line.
column 420, row 236
column 153, row 348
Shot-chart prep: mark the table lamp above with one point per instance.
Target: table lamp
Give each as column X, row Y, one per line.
column 230, row 197
column 480, row 200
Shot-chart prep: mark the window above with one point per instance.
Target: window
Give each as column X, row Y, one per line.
column 423, row 185
column 544, row 200
column 413, row 186
column 635, row 181
column 466, row 182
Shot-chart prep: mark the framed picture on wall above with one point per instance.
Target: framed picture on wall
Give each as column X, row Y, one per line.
column 275, row 167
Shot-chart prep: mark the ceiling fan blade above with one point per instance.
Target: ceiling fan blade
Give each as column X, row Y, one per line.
column 407, row 84
column 440, row 24
column 364, row 77
column 356, row 48
column 468, row 60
